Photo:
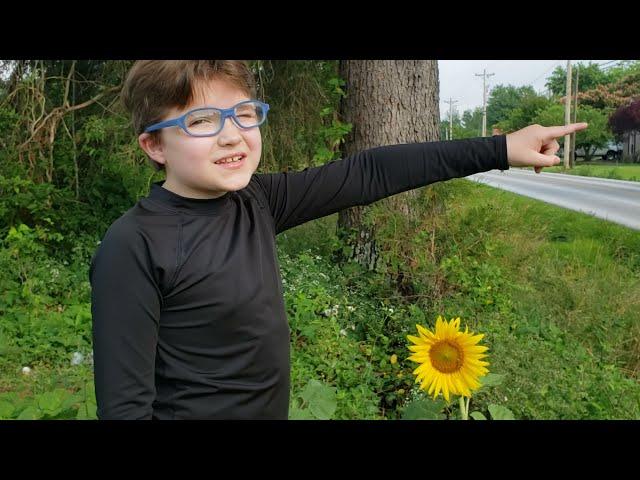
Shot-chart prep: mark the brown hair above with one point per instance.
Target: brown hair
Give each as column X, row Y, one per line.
column 154, row 86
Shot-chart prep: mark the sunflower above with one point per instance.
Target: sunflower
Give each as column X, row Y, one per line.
column 449, row 360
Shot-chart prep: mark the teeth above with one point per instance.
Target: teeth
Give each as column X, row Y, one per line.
column 229, row 160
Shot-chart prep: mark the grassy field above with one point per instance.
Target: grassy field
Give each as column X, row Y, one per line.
column 621, row 171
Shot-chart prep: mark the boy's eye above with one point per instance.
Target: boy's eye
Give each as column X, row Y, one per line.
column 200, row 121
column 246, row 113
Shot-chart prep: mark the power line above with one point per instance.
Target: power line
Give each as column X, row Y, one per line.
column 556, row 64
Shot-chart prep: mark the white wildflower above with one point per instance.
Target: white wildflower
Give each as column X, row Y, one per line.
column 26, row 371
column 77, row 358
column 343, row 332
column 351, row 308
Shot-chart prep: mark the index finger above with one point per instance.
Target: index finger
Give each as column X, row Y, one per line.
column 561, row 131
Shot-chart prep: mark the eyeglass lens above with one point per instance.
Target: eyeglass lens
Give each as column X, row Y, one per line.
column 207, row 121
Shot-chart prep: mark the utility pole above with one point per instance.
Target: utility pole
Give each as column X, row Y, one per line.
column 574, row 157
column 567, row 116
column 484, row 76
column 450, row 102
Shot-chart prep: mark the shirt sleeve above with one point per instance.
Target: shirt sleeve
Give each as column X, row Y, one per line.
column 125, row 307
column 370, row 175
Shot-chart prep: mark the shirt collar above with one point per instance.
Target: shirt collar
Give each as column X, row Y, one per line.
column 161, row 195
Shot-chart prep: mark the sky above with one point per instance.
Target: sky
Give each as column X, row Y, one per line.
column 458, row 80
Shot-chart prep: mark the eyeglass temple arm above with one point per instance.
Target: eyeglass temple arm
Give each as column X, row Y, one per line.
column 166, row 123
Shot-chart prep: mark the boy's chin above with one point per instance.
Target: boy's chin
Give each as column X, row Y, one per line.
column 237, row 183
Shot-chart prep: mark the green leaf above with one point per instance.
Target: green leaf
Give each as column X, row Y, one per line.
column 320, row 398
column 51, row 402
column 6, row 410
column 87, row 411
column 29, row 413
column 300, row 414
column 424, row 410
column 498, row 412
column 70, row 401
column 477, row 416
column 492, row 380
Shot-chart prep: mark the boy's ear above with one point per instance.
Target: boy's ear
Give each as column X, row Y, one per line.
column 152, row 146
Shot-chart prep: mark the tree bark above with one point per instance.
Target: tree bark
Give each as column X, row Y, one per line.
column 388, row 102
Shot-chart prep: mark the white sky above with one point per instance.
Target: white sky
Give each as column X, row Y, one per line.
column 458, row 80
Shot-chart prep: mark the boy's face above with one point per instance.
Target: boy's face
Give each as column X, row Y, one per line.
column 189, row 161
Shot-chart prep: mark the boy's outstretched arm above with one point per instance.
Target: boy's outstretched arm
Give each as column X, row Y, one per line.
column 125, row 308
column 370, row 175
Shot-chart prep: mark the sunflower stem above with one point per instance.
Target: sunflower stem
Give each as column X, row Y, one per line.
column 464, row 413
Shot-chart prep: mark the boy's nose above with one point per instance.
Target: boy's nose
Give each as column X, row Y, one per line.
column 230, row 133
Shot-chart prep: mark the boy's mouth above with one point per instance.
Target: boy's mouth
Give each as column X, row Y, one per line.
column 234, row 160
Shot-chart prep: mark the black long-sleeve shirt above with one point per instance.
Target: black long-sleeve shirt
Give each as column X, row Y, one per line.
column 189, row 319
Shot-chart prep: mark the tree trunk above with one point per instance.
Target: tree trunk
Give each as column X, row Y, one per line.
column 388, row 102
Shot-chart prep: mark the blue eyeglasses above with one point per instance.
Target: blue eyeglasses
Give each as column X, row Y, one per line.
column 209, row 121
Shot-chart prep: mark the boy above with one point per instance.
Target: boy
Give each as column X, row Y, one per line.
column 188, row 312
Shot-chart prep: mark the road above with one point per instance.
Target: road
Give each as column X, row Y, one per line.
column 614, row 200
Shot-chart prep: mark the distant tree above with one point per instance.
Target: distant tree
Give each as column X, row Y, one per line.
column 524, row 113
column 615, row 94
column 623, row 69
column 472, row 123
column 503, row 100
column 596, row 136
column 467, row 126
column 626, row 118
column 445, row 124
column 591, row 75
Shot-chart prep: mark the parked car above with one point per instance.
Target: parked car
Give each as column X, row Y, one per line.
column 610, row 152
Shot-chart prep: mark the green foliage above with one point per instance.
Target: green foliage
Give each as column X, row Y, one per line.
column 499, row 412
column 57, row 404
column 424, row 409
column 503, row 100
column 525, row 113
column 304, row 128
column 628, row 172
column 591, row 75
column 318, row 401
column 467, row 126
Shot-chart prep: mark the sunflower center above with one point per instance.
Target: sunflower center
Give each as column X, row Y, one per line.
column 446, row 357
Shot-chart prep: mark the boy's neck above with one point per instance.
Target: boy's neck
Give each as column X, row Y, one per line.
column 189, row 193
